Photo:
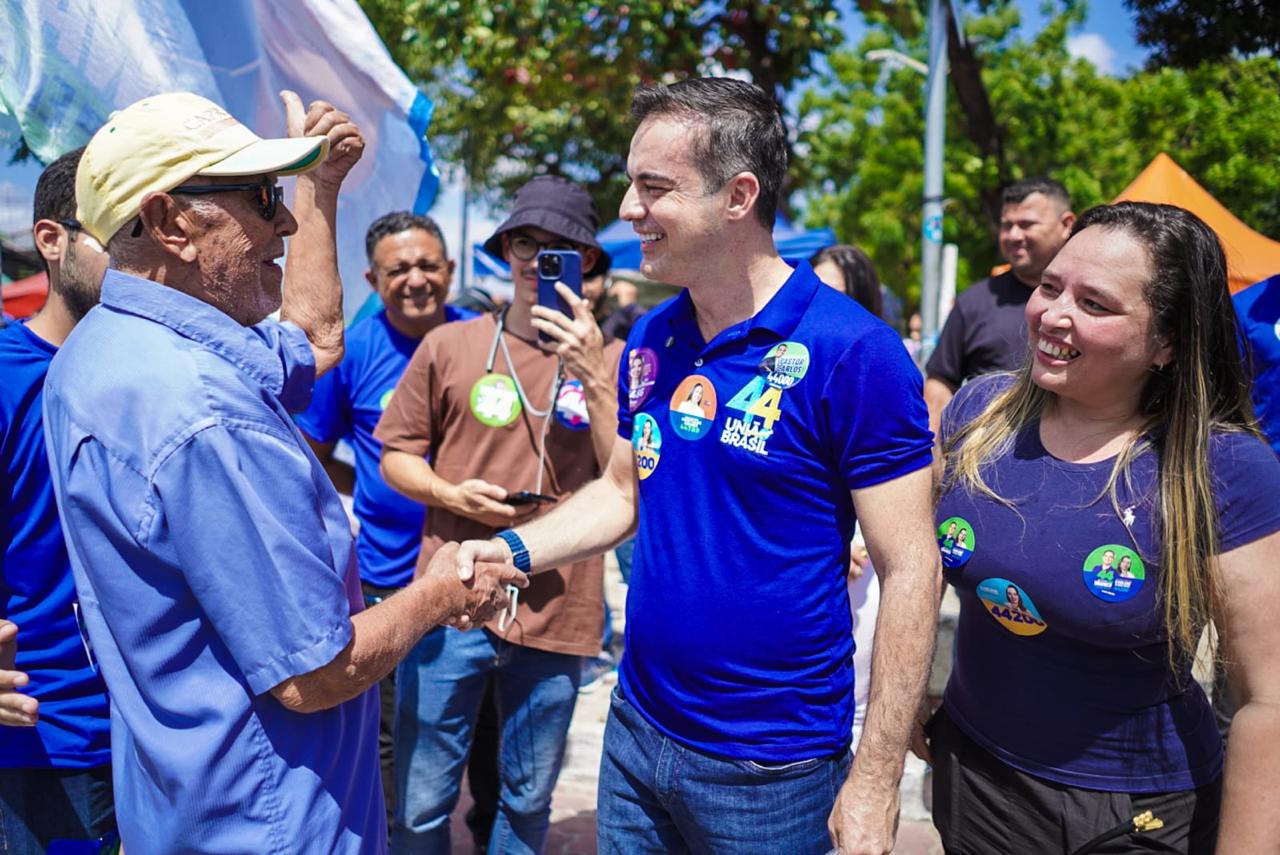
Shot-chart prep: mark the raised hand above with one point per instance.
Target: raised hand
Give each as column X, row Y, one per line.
column 322, row 119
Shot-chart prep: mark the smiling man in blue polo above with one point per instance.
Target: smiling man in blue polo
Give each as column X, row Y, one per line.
column 730, row 727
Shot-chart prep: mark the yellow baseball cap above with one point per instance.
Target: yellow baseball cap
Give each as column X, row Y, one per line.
column 156, row 144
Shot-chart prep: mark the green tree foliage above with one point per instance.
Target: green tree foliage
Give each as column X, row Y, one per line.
column 861, row 150
column 1186, row 33
column 544, row 86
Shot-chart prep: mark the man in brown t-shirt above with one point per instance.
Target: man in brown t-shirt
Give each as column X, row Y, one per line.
column 497, row 413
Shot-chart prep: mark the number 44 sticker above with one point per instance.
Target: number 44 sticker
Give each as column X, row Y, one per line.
column 758, row 398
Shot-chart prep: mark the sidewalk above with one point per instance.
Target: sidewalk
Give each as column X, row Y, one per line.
column 573, row 807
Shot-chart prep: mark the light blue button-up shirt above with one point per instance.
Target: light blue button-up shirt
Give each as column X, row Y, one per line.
column 213, row 560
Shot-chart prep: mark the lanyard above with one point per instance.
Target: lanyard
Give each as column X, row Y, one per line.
column 500, row 341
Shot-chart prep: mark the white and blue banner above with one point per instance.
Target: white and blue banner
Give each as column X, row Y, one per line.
column 66, row 64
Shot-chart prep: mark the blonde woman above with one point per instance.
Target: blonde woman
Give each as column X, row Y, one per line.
column 1130, row 429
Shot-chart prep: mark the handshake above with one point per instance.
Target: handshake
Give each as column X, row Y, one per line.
column 477, row 579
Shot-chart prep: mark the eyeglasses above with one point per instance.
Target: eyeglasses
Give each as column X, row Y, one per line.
column 270, row 194
column 525, row 248
column 71, row 225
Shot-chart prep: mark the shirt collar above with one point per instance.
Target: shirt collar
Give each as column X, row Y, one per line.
column 779, row 317
column 196, row 320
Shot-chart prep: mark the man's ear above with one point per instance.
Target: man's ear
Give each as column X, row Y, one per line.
column 744, row 191
column 590, row 255
column 49, row 241
column 371, row 279
column 170, row 226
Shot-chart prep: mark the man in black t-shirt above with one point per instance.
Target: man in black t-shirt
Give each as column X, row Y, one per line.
column 987, row 329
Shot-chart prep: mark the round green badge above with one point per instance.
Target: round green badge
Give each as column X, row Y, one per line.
column 495, row 401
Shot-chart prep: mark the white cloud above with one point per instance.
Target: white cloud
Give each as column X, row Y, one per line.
column 1094, row 48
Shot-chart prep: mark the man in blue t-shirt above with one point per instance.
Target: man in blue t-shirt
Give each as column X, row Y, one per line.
column 411, row 271
column 55, row 776
column 1258, row 308
column 731, row 725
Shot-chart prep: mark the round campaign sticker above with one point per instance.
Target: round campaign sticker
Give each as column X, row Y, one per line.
column 571, row 406
column 1011, row 607
column 1114, row 573
column 693, row 407
column 385, row 399
column 646, row 443
column 495, row 401
column 642, row 373
column 785, row 364
column 955, row 542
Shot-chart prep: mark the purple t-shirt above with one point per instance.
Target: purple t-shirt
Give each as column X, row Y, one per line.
column 1060, row 651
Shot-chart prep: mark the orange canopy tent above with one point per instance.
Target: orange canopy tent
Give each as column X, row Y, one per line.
column 23, row 298
column 1251, row 257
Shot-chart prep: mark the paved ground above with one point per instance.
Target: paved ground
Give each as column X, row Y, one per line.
column 573, row 808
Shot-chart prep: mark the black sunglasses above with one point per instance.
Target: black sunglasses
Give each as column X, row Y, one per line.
column 270, row 195
column 71, row 225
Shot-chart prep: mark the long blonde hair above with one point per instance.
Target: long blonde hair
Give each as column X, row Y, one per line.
column 1204, row 390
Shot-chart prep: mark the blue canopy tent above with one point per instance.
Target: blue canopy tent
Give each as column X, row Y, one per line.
column 794, row 244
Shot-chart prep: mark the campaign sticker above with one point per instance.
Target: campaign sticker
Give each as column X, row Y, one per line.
column 1010, row 606
column 571, row 406
column 495, row 401
column 385, row 399
column 693, row 407
column 646, row 443
column 1114, row 573
column 642, row 373
column 785, row 364
column 955, row 542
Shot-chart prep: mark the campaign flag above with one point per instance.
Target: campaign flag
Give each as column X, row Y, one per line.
column 65, row 65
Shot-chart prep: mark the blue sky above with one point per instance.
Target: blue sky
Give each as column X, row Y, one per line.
column 1106, row 38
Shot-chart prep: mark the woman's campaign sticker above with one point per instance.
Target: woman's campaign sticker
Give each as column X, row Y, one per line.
column 693, row 407
column 955, row 542
column 571, row 406
column 1010, row 606
column 642, row 373
column 495, row 401
column 385, row 399
column 646, row 444
column 1114, row 573
column 785, row 364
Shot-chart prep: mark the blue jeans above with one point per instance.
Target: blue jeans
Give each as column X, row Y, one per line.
column 439, row 687
column 40, row 806
column 658, row 796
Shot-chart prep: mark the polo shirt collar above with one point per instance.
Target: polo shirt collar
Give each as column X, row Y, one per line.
column 778, row 318
column 196, row 320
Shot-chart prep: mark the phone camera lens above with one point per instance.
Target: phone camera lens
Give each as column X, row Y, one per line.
column 550, row 266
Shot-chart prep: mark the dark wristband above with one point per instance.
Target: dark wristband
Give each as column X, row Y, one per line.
column 519, row 552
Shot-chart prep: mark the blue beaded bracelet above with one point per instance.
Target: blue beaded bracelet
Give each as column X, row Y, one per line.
column 519, row 552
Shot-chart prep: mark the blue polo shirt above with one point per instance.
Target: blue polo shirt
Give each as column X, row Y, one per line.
column 1258, row 308
column 1061, row 661
column 347, row 403
column 37, row 591
column 213, row 560
column 747, row 447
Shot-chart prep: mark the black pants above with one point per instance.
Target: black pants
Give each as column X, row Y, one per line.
column 983, row 806
column 386, row 714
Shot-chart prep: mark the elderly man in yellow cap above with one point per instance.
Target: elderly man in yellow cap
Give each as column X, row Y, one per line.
column 214, row 564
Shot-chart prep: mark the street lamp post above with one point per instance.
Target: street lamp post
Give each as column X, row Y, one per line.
column 934, row 139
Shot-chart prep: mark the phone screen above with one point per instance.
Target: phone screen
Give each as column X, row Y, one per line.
column 558, row 265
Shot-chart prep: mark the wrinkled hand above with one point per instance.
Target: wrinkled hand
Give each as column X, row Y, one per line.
column 919, row 739
column 579, row 341
column 481, row 501
column 479, row 596
column 859, row 558
column 864, row 820
column 322, row 119
column 16, row 709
